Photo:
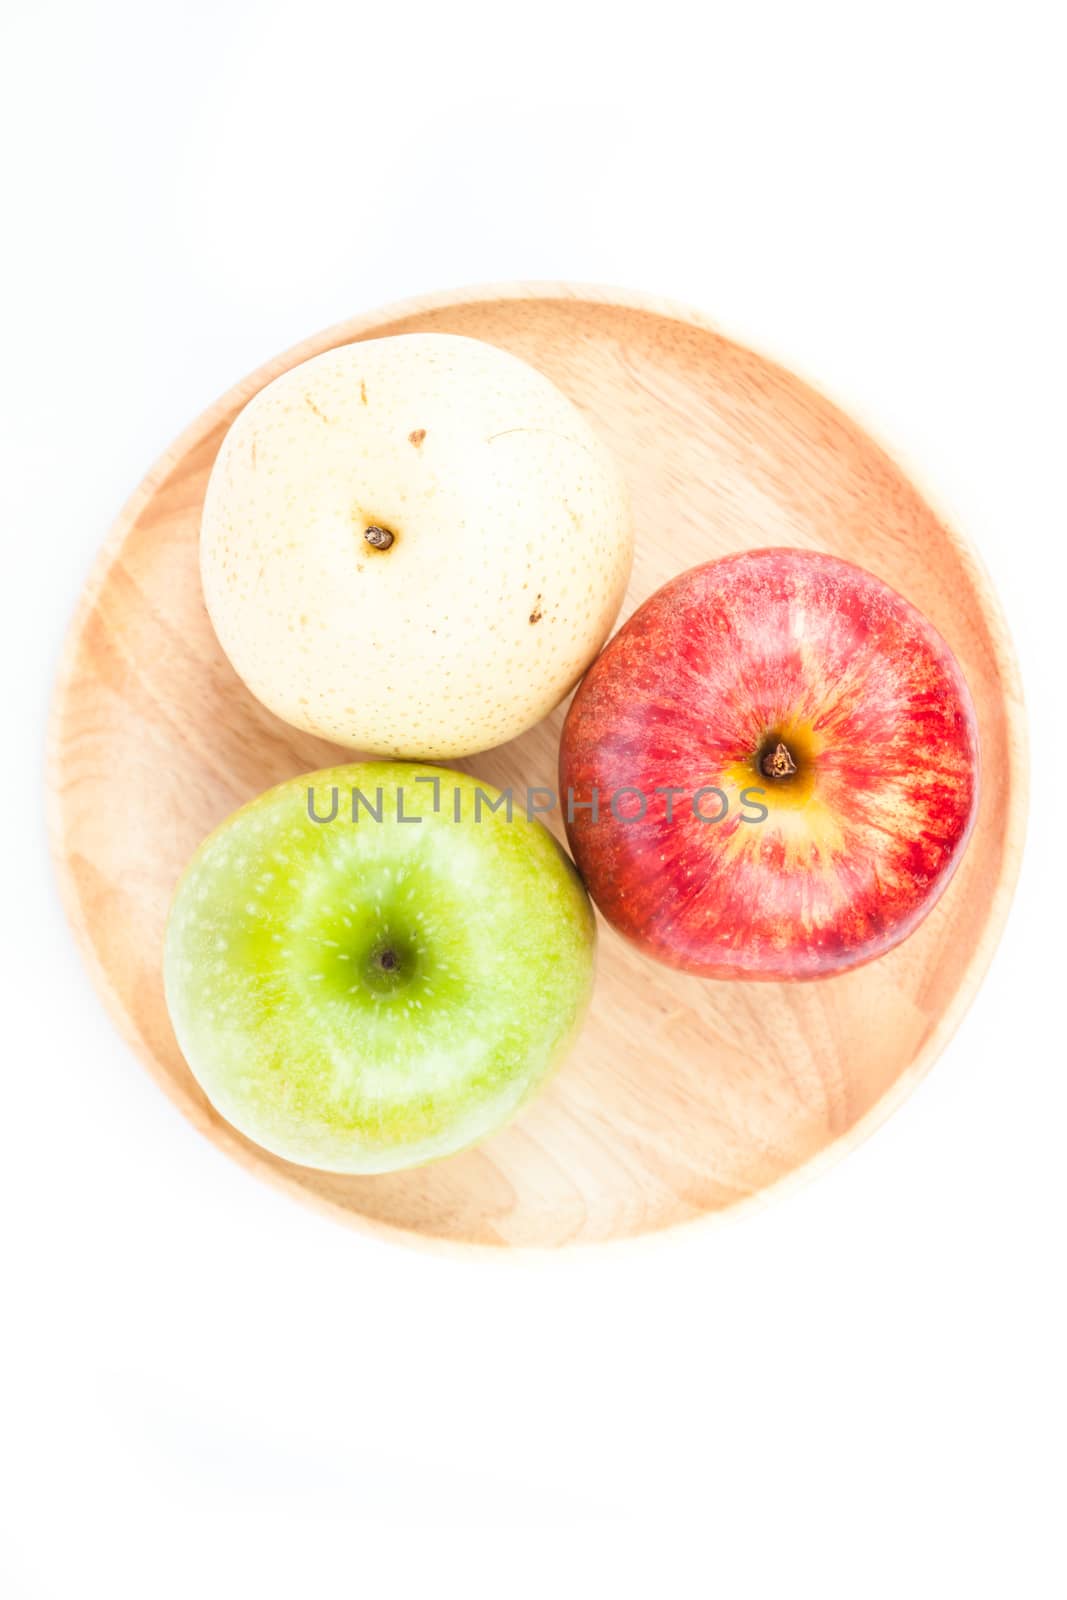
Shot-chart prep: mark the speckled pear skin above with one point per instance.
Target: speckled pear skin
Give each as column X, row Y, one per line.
column 507, row 545
column 366, row 995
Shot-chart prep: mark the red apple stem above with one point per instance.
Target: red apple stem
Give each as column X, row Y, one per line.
column 778, row 763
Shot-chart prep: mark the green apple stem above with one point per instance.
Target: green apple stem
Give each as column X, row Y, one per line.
column 390, row 966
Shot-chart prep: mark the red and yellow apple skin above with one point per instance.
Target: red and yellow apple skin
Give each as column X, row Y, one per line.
column 702, row 689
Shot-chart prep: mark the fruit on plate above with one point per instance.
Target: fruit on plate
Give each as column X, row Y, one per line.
column 821, row 746
column 414, row 545
column 361, row 995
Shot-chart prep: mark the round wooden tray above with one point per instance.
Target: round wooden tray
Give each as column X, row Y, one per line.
column 680, row 1098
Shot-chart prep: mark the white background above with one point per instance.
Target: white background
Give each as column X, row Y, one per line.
column 210, row 1391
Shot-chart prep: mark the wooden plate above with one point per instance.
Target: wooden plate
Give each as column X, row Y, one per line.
column 681, row 1097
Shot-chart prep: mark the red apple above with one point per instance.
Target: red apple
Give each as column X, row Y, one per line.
column 821, row 745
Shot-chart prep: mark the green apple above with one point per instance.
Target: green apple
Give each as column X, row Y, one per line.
column 371, row 966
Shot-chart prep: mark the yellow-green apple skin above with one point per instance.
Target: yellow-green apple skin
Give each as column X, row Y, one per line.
column 414, row 546
column 360, row 996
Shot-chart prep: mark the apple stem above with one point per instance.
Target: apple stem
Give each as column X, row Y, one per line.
column 778, row 763
column 377, row 537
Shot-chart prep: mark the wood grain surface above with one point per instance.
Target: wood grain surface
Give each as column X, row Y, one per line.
column 682, row 1097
